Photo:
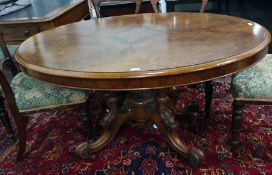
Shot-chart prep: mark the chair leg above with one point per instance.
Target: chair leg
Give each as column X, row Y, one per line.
column 96, row 7
column 203, row 6
column 154, row 4
column 97, row 11
column 4, row 118
column 22, row 138
column 208, row 98
column 236, row 121
column 138, row 6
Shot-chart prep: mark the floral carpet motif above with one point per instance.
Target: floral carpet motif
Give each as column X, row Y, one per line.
column 140, row 149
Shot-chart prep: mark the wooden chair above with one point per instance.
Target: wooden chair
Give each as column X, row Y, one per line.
column 251, row 86
column 25, row 95
column 96, row 4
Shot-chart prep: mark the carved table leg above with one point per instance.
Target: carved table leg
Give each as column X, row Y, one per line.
column 86, row 148
column 111, row 125
column 168, row 126
column 141, row 106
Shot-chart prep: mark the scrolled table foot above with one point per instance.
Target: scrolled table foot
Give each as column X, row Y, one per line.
column 193, row 155
column 196, row 157
column 83, row 151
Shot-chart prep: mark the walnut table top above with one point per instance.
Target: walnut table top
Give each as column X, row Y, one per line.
column 143, row 51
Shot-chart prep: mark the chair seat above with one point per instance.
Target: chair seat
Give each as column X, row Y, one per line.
column 254, row 83
column 32, row 94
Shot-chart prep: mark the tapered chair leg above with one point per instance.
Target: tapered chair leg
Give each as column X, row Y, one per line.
column 154, row 4
column 138, row 6
column 96, row 8
column 22, row 138
column 4, row 118
column 203, row 6
column 208, row 98
column 236, row 121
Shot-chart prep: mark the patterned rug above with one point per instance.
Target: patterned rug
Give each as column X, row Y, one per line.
column 140, row 149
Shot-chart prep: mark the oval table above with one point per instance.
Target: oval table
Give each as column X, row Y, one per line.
column 143, row 54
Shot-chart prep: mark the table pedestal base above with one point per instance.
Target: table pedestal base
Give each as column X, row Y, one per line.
column 142, row 106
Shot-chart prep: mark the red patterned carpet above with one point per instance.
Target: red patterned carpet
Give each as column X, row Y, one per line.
column 139, row 149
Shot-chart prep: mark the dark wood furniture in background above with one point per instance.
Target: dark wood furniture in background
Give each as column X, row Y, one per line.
column 96, row 4
column 220, row 4
column 21, row 116
column 113, row 9
column 41, row 15
column 166, row 50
